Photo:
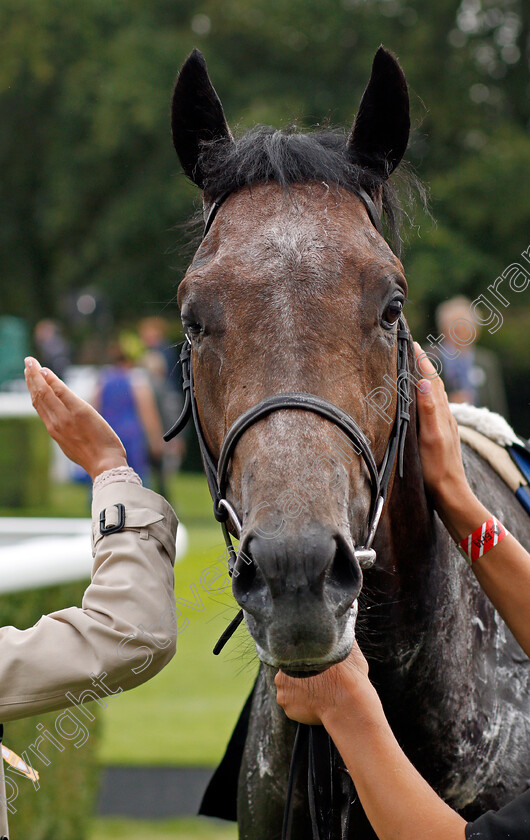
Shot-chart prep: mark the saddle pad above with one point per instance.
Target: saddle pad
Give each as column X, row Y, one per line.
column 506, row 461
column 521, row 456
column 487, row 422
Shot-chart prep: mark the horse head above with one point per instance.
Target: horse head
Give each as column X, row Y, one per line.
column 294, row 290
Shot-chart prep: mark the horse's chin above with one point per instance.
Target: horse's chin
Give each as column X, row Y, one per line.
column 301, row 669
column 300, row 675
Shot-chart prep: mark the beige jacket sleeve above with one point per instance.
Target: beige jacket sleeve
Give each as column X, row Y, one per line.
column 125, row 631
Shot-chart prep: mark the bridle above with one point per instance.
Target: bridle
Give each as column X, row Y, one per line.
column 217, row 473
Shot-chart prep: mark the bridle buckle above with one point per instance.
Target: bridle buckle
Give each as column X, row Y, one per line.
column 365, row 557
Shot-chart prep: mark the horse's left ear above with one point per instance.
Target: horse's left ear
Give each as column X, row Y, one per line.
column 380, row 133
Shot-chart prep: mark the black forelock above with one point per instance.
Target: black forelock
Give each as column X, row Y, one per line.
column 266, row 154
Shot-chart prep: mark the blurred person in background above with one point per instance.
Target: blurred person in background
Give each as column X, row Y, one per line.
column 125, row 398
column 471, row 374
column 169, row 405
column 153, row 332
column 52, row 347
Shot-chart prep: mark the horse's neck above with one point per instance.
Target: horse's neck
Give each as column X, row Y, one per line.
column 424, row 600
column 414, row 537
column 412, row 550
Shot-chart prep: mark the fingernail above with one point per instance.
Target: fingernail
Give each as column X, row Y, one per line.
column 31, row 362
column 424, row 386
column 44, row 372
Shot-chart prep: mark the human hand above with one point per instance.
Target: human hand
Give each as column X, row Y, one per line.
column 439, row 442
column 83, row 435
column 310, row 699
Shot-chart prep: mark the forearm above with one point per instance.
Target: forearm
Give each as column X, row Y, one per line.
column 396, row 799
column 126, row 626
column 503, row 571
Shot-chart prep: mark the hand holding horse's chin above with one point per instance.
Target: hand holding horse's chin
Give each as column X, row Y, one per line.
column 300, row 668
column 325, row 698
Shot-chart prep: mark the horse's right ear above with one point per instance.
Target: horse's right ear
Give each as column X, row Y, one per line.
column 196, row 115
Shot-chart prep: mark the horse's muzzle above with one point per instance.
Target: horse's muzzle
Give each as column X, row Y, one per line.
column 297, row 593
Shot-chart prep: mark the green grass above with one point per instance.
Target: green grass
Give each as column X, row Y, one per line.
column 64, row 500
column 198, row 828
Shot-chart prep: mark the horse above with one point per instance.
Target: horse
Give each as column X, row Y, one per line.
column 295, row 291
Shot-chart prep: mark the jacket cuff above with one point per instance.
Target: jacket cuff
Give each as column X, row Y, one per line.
column 122, row 506
column 116, row 474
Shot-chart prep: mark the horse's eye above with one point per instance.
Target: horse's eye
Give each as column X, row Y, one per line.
column 392, row 312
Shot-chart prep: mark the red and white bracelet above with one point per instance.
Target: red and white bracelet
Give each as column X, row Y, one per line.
column 479, row 542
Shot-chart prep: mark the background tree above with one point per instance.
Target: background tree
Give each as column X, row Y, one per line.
column 91, row 195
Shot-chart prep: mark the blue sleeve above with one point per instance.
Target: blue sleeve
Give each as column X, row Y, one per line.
column 510, row 823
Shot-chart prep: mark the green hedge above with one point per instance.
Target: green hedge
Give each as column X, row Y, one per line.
column 24, row 462
column 62, row 807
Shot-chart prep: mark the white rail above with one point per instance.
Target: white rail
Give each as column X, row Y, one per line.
column 43, row 552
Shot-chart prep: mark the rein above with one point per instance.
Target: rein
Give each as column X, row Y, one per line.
column 311, row 743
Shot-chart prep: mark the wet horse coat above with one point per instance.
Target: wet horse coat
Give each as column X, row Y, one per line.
column 294, row 290
column 453, row 681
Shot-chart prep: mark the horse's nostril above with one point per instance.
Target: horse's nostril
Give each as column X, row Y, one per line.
column 344, row 577
column 322, row 564
column 244, row 577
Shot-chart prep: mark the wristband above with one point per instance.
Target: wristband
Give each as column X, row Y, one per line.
column 479, row 542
